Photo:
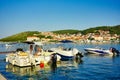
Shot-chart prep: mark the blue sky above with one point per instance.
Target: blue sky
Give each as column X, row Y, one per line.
column 47, row 15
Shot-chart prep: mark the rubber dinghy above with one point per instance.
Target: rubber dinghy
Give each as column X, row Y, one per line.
column 67, row 54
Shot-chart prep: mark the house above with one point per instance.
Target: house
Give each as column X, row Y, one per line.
column 98, row 38
column 33, row 38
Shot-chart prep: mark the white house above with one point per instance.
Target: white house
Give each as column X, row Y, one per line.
column 33, row 38
column 98, row 38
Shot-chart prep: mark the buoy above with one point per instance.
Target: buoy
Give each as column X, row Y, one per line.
column 41, row 64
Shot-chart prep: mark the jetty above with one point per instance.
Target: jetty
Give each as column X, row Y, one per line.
column 6, row 52
column 2, row 77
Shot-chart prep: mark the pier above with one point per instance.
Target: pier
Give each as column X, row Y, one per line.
column 6, row 52
column 2, row 77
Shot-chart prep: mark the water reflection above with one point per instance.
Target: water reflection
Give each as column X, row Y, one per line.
column 109, row 58
column 100, row 55
column 22, row 71
column 53, row 67
column 79, row 61
column 37, row 70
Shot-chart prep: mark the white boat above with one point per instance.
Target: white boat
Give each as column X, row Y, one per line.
column 27, row 58
column 8, row 46
column 100, row 51
column 66, row 54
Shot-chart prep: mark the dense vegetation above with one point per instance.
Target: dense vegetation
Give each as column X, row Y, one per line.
column 112, row 29
column 22, row 36
column 70, row 31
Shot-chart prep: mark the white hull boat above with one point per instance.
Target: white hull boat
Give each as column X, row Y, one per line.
column 25, row 59
column 100, row 51
column 22, row 59
column 67, row 54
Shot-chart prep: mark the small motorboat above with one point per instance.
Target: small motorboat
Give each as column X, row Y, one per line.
column 67, row 54
column 31, row 57
column 101, row 51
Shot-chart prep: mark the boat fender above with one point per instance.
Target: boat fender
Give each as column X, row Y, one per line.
column 6, row 59
column 41, row 64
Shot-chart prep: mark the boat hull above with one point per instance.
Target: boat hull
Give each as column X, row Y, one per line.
column 66, row 54
column 28, row 59
column 64, row 57
column 98, row 51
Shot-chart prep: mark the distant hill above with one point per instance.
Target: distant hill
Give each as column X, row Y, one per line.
column 20, row 36
column 112, row 29
column 70, row 31
column 23, row 35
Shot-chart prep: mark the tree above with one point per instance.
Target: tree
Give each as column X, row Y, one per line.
column 49, row 37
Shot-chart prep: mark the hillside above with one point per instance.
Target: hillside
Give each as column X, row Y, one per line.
column 112, row 29
column 23, row 35
column 20, row 36
column 70, row 31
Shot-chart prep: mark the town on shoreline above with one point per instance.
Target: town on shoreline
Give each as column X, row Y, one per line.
column 99, row 37
column 103, row 34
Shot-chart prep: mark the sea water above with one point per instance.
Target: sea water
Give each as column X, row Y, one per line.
column 91, row 67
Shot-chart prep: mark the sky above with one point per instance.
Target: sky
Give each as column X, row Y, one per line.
column 48, row 15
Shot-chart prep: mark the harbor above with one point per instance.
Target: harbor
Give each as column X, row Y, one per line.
column 60, row 40
column 89, row 67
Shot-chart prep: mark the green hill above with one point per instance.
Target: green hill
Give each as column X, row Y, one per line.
column 70, row 31
column 112, row 29
column 20, row 36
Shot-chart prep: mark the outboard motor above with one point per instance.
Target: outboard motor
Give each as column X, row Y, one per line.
column 53, row 58
column 115, row 51
column 78, row 56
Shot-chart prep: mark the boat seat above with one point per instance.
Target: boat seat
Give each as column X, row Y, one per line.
column 21, row 53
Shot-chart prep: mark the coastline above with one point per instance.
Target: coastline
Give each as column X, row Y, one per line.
column 74, row 41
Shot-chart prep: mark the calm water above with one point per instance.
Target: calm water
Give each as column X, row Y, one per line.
column 90, row 68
